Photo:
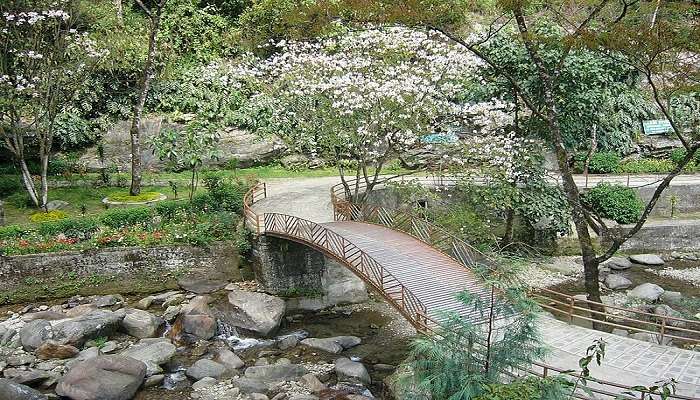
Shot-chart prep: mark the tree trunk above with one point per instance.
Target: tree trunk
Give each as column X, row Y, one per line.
column 120, row 12
column 28, row 182
column 135, row 130
column 508, row 235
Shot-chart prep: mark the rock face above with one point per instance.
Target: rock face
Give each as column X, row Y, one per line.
column 140, row 324
column 155, row 351
column 200, row 325
column 647, row 291
column 201, row 286
column 333, row 344
column 247, row 148
column 647, row 259
column 103, row 378
column 79, row 330
column 617, row 282
column 351, row 371
column 619, row 263
column 257, row 312
column 14, row 391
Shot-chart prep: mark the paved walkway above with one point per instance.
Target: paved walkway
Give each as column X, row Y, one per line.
column 628, row 361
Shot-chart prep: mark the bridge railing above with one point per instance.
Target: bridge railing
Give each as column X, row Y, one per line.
column 361, row 263
column 256, row 193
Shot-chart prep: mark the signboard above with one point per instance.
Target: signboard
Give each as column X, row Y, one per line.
column 656, row 127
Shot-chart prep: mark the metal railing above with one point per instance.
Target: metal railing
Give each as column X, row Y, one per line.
column 577, row 309
column 359, row 262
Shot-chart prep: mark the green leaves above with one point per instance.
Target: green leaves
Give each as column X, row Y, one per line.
column 615, row 202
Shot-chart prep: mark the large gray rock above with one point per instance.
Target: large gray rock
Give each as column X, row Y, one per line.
column 667, row 311
column 333, row 345
column 10, row 390
column 257, row 312
column 617, row 282
column 50, row 349
column 201, row 285
column 228, row 359
column 56, row 205
column 249, row 385
column 647, row 259
column 29, row 377
column 647, row 292
column 205, row 368
column 276, row 372
column 103, row 378
column 351, row 371
column 200, row 325
column 140, row 324
column 156, row 351
column 79, row 330
column 619, row 263
column 247, row 148
column 35, row 333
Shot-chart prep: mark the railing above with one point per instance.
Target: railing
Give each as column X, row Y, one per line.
column 362, row 264
column 663, row 326
column 252, row 196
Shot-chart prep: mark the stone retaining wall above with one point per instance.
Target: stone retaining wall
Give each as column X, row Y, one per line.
column 113, row 270
column 666, row 235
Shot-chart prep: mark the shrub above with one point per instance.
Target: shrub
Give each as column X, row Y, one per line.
column 54, row 215
column 605, row 162
column 169, row 209
column 13, row 231
column 121, row 217
column 678, row 154
column 9, row 185
column 79, row 228
column 122, row 197
column 225, row 194
column 616, row 202
column 646, row 166
column 531, row 388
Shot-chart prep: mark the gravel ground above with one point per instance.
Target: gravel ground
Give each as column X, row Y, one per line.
column 691, row 275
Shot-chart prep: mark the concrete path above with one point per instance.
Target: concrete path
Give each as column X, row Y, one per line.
column 628, row 361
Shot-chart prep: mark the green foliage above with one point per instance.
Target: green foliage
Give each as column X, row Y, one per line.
column 122, row 217
column 126, row 197
column 616, row 202
column 462, row 359
column 13, row 231
column 80, row 228
column 605, row 162
column 225, row 194
column 646, row 166
column 531, row 388
column 54, row 215
column 169, row 209
column 9, row 185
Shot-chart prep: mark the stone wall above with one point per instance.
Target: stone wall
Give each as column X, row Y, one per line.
column 309, row 279
column 114, row 270
column 687, row 199
column 666, row 235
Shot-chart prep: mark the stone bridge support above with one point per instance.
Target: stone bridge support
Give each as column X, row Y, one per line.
column 308, row 279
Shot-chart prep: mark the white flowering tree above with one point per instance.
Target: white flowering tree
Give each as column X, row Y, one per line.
column 359, row 98
column 42, row 64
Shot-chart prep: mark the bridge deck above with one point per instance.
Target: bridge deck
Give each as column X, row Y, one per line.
column 432, row 276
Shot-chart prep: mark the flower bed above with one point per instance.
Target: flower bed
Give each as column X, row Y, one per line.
column 211, row 216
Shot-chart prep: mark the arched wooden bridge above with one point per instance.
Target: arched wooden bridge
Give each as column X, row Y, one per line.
column 417, row 267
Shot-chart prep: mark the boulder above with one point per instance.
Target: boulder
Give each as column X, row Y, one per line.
column 48, row 315
column 276, row 372
column 313, row 383
column 294, row 162
column 287, row 342
column 667, row 311
column 108, row 300
column 647, row 291
column 618, row 263
column 35, row 333
column 333, row 345
column 205, row 368
column 647, row 259
column 16, row 360
column 14, row 391
column 156, row 351
column 56, row 205
column 103, row 378
column 145, row 302
column 201, row 286
column 140, row 324
column 79, row 330
column 50, row 349
column 671, row 297
column 617, row 282
column 351, row 371
column 29, row 377
column 250, row 385
column 203, row 326
column 228, row 359
column 207, row 381
column 257, row 312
